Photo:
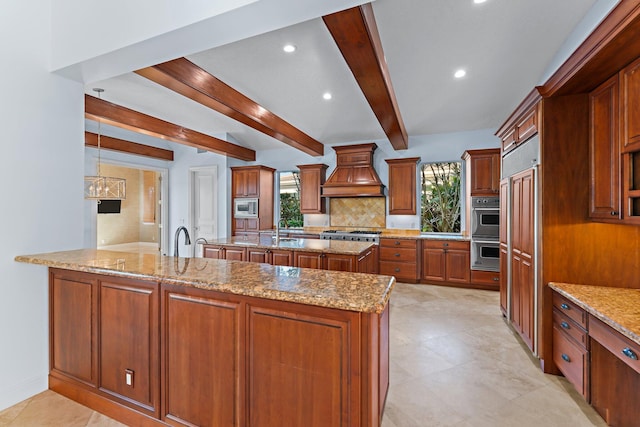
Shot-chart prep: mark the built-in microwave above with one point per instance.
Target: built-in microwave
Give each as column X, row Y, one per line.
column 245, row 208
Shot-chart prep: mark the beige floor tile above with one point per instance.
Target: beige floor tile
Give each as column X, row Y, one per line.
column 9, row 414
column 51, row 409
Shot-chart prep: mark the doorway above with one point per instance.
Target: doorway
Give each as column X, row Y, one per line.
column 203, row 206
column 138, row 225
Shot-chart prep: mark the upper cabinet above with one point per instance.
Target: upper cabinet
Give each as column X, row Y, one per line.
column 483, row 172
column 402, row 186
column 311, row 179
column 630, row 103
column 522, row 124
column 246, row 181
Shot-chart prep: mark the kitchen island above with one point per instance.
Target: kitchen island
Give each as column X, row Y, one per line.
column 154, row 340
column 337, row 255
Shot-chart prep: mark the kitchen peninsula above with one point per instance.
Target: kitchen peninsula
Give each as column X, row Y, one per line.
column 155, row 340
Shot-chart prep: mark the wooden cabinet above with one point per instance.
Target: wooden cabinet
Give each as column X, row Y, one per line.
column 203, row 350
column 604, row 152
column 215, row 252
column 308, row 259
column 446, row 261
column 259, row 255
column 230, row 253
column 504, row 245
column 280, row 257
column 130, row 343
column 521, row 261
column 570, row 343
column 400, row 258
column 402, row 186
column 630, row 103
column 73, row 324
column 520, row 131
column 483, row 172
column 311, row 179
column 255, row 182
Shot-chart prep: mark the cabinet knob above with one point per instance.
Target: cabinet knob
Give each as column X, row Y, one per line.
column 396, row 254
column 397, row 270
column 614, row 213
column 445, row 244
column 565, row 325
column 397, row 242
column 496, row 279
column 565, row 306
column 566, row 358
column 629, row 353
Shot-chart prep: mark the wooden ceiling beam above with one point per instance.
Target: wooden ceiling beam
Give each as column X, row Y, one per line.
column 356, row 34
column 115, row 144
column 187, row 79
column 125, row 118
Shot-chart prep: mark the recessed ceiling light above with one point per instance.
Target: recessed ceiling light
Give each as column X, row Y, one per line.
column 479, row 1
column 459, row 73
column 327, row 95
column 289, row 48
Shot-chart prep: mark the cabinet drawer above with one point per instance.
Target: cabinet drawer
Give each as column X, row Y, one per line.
column 485, row 277
column 446, row 244
column 571, row 328
column 402, row 270
column 622, row 347
column 398, row 254
column 572, row 360
column 398, row 243
column 570, row 309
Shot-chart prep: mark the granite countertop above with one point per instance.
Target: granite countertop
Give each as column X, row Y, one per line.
column 296, row 244
column 367, row 293
column 617, row 307
column 425, row 236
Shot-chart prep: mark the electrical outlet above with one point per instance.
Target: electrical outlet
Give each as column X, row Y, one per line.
column 128, row 377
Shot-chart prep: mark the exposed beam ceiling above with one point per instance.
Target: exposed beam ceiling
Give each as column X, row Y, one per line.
column 356, row 34
column 115, row 144
column 116, row 115
column 186, row 78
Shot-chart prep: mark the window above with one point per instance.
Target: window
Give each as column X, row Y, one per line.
column 290, row 215
column 440, row 197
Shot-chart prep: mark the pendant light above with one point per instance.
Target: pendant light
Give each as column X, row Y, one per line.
column 103, row 187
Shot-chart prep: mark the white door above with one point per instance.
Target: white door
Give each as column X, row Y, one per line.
column 203, row 206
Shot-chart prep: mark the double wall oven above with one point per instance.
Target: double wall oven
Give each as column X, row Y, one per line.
column 485, row 233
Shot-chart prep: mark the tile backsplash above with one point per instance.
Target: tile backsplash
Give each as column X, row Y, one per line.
column 361, row 212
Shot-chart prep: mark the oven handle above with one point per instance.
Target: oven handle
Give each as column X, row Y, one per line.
column 496, row 241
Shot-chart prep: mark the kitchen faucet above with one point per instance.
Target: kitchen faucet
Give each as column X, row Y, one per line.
column 187, row 240
column 195, row 244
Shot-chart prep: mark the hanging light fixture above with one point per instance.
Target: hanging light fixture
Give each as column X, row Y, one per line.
column 103, row 187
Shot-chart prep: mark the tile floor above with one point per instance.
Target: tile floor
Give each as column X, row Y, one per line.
column 454, row 362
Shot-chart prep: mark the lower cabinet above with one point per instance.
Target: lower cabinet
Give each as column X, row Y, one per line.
column 446, row 261
column 400, row 258
column 158, row 354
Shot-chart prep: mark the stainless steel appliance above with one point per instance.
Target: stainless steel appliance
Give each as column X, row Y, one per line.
column 245, row 208
column 353, row 236
column 485, row 218
column 485, row 255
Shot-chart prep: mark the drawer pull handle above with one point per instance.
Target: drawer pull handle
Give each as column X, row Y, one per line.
column 396, row 254
column 629, row 353
column 565, row 325
column 397, row 242
column 566, row 358
column 397, row 270
column 496, row 279
column 565, row 306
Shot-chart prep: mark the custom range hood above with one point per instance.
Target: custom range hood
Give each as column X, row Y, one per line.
column 354, row 175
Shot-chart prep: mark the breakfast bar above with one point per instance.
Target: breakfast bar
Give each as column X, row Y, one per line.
column 155, row 340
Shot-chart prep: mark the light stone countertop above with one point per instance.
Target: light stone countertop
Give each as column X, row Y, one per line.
column 295, row 244
column 617, row 307
column 367, row 293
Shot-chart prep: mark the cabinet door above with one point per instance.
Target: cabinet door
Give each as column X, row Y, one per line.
column 300, row 369
column 308, row 260
column 338, row 262
column 239, row 187
column 630, row 103
column 252, row 224
column 458, row 266
column 279, row 257
column 402, row 186
column 240, row 224
column 485, row 174
column 504, row 274
column 604, row 152
column 311, row 179
column 213, row 252
column 129, row 343
column 252, row 183
column 234, row 254
column 258, row 255
column 73, row 308
column 203, row 360
column 434, row 264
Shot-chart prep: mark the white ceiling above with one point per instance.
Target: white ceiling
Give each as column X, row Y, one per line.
column 505, row 46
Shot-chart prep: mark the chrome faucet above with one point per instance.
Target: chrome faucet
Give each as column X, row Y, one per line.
column 187, row 240
column 195, row 244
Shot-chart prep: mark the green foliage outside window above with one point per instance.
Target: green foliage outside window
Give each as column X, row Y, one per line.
column 290, row 215
column 440, row 197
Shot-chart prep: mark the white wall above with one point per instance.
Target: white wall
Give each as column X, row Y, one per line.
column 41, row 175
